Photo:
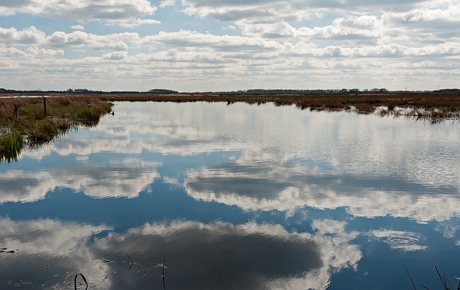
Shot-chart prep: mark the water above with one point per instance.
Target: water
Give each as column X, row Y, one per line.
column 209, row 196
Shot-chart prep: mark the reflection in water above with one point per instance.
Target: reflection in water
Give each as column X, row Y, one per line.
column 47, row 253
column 124, row 179
column 246, row 197
column 200, row 256
column 288, row 186
column 405, row 241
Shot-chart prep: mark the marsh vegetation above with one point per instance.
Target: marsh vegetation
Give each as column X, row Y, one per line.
column 35, row 121
column 31, row 121
column 432, row 106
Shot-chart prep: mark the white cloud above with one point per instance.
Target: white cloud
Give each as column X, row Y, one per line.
column 80, row 10
column 185, row 38
column 419, row 21
column 114, row 55
column 26, row 36
column 306, row 44
column 77, row 27
column 291, row 11
column 166, row 3
column 42, row 52
column 133, row 22
column 115, row 41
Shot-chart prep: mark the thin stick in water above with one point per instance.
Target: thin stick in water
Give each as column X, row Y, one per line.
column 84, row 279
column 413, row 284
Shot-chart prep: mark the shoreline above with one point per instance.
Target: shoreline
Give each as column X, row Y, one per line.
column 36, row 120
column 432, row 106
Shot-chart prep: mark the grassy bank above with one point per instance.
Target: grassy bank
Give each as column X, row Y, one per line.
column 35, row 121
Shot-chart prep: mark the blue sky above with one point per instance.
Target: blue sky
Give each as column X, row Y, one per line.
column 203, row 45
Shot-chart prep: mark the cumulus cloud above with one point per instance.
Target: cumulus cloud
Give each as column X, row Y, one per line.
column 419, row 21
column 115, row 55
column 115, row 41
column 26, row 36
column 80, row 10
column 77, row 27
column 305, row 44
column 185, row 38
column 278, row 10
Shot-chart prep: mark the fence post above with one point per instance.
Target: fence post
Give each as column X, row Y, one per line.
column 16, row 109
column 44, row 105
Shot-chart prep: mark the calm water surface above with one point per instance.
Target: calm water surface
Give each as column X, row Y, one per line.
column 234, row 197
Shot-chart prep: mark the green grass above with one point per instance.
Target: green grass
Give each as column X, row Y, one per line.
column 10, row 146
column 26, row 117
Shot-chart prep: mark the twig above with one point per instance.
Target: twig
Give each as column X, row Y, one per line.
column 413, row 284
column 75, row 280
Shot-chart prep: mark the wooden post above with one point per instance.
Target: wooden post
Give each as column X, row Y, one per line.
column 16, row 109
column 44, row 105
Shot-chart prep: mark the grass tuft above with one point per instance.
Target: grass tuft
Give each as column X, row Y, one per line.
column 10, row 146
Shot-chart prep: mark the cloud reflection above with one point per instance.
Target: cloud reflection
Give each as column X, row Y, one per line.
column 289, row 159
column 223, row 256
column 402, row 240
column 123, row 179
column 47, row 253
column 253, row 183
column 197, row 255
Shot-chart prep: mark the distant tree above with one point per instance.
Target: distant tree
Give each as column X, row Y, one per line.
column 163, row 91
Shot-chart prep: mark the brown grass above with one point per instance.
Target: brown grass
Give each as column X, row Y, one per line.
column 433, row 106
column 26, row 117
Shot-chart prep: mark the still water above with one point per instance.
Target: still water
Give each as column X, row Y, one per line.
column 210, row 196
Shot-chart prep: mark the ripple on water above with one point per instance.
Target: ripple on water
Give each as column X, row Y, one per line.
column 402, row 240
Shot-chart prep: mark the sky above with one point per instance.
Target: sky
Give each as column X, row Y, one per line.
column 211, row 45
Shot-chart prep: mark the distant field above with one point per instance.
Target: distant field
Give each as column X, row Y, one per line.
column 431, row 106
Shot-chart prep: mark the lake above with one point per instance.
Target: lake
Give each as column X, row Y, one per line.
column 210, row 196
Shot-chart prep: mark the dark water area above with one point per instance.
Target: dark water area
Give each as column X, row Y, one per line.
column 210, row 196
